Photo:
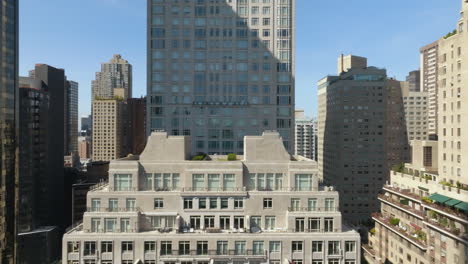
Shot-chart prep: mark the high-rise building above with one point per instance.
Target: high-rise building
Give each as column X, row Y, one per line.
column 84, row 148
column 429, row 83
column 361, row 133
column 135, row 126
column 422, row 218
column 452, row 97
column 71, row 143
column 108, row 121
column 416, row 112
column 114, row 80
column 263, row 207
column 8, row 127
column 305, row 136
column 220, row 70
column 414, row 81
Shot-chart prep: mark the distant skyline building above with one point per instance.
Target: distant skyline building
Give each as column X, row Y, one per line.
column 114, row 79
column 71, row 144
column 86, row 125
column 135, row 126
column 220, row 71
column 361, row 134
column 108, row 124
column 163, row 207
column 416, row 112
column 306, row 137
column 9, row 113
column 414, row 81
column 429, row 83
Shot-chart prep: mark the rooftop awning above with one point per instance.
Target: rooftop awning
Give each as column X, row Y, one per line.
column 462, row 206
column 452, row 202
column 439, row 198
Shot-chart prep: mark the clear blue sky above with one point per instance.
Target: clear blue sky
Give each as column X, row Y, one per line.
column 78, row 35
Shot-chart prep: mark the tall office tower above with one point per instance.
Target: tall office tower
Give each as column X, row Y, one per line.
column 34, row 176
column 220, row 70
column 414, row 81
column 422, row 218
column 107, row 129
column 452, row 98
column 161, row 207
column 71, row 133
column 8, row 127
column 429, row 83
column 305, row 135
column 416, row 112
column 361, row 133
column 53, row 82
column 135, row 125
column 114, row 79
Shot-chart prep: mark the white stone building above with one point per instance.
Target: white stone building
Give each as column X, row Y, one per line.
column 163, row 207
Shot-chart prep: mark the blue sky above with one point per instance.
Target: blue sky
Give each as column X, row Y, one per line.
column 78, row 35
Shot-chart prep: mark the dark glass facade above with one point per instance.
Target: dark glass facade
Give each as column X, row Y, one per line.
column 8, row 125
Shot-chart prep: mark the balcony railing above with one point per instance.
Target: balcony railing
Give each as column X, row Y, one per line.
column 448, row 210
column 380, row 218
column 398, row 204
column 203, row 252
column 314, row 209
column 118, row 209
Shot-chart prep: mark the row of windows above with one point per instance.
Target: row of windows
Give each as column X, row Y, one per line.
column 90, row 248
column 159, row 20
column 217, row 32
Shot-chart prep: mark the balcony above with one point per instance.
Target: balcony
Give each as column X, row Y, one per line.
column 412, row 237
column 388, row 200
column 403, row 192
column 443, row 225
column 314, row 209
column 446, row 210
column 201, row 253
column 113, row 210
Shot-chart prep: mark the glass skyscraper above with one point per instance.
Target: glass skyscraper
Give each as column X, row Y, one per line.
column 8, row 125
column 219, row 70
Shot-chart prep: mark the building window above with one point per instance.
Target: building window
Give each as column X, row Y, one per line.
column 329, row 204
column 89, row 248
column 158, row 203
column 328, row 224
column 317, row 246
column 209, row 221
column 275, row 246
column 188, row 203
column 150, row 246
column 304, row 182
column 113, row 205
column 95, row 205
column 225, row 222
column 239, row 248
column 238, row 222
column 222, row 247
column 428, row 156
column 125, row 225
column 198, row 182
column 300, row 224
column 312, row 204
column 110, row 224
column 256, row 222
column 333, row 247
column 202, row 247
column 295, row 204
column 270, row 222
column 184, row 247
column 229, row 182
column 224, row 203
column 195, row 222
column 238, row 203
column 166, row 248
column 122, row 182
column 258, row 248
column 130, row 204
column 213, row 203
column 213, row 182
column 73, row 247
column 95, row 225
column 106, row 247
column 297, row 246
column 201, row 203
column 267, row 203
column 314, row 224
column 350, row 246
